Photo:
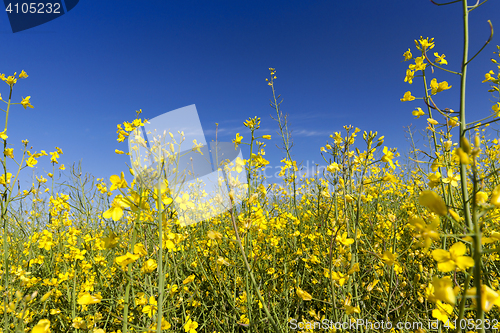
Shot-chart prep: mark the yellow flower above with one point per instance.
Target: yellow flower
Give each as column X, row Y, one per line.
column 110, row 241
column 449, row 260
column 237, row 141
column 43, row 326
column 372, row 285
column 149, row 266
column 434, row 179
column 407, row 55
column 438, row 87
column 140, row 250
column 118, row 182
column 126, row 259
column 424, row 43
column 388, row 156
column 443, row 289
column 62, row 167
column 46, row 296
column 496, row 108
column 54, row 157
column 333, row 167
column 26, row 102
column 79, row 322
column 151, row 308
column 407, row 97
column 239, row 164
column 267, row 137
column 3, row 135
column 9, row 152
column 419, row 64
column 197, row 147
column 388, row 258
column 440, row 59
column 489, row 297
column 488, row 76
column 451, row 179
column 432, row 121
column 349, row 308
column 409, row 76
column 87, row 299
column 462, row 156
column 433, row 201
column 390, row 178
column 165, row 325
column 495, row 196
column 214, row 235
column 418, row 112
column 116, row 210
column 3, row 181
column 344, row 240
column 303, row 294
column 31, row 161
column 189, row 279
column 340, row 278
column 442, row 313
column 11, row 80
column 427, row 232
column 119, row 152
column 481, row 197
column 23, row 75
column 190, row 326
column 184, row 202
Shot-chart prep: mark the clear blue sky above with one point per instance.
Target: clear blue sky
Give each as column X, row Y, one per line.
column 337, row 62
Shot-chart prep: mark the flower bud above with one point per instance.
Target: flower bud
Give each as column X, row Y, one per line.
column 465, row 145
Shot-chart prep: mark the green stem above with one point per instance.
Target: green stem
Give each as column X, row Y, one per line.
column 5, row 207
column 276, row 328
column 472, row 224
column 161, row 278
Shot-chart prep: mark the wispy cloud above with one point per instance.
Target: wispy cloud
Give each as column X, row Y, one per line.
column 225, row 130
column 306, row 132
column 231, row 131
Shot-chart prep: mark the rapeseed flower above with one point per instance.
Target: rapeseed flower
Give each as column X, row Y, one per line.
column 433, row 201
column 190, row 326
column 407, row 97
column 126, row 259
column 449, row 260
column 438, row 87
column 43, row 326
column 304, row 295
column 489, row 297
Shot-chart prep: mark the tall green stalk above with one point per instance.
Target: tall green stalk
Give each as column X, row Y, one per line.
column 5, row 206
column 472, row 225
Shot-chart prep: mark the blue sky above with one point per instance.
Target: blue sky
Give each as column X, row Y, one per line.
column 337, row 63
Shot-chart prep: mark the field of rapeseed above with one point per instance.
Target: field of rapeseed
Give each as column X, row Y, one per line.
column 366, row 245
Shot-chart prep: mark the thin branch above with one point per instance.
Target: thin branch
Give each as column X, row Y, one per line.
column 434, row 65
column 444, row 4
column 487, row 42
column 479, row 125
column 477, row 5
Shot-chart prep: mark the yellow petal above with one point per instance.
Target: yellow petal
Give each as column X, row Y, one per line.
column 464, row 262
column 458, row 249
column 440, row 255
column 446, row 266
column 433, row 201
